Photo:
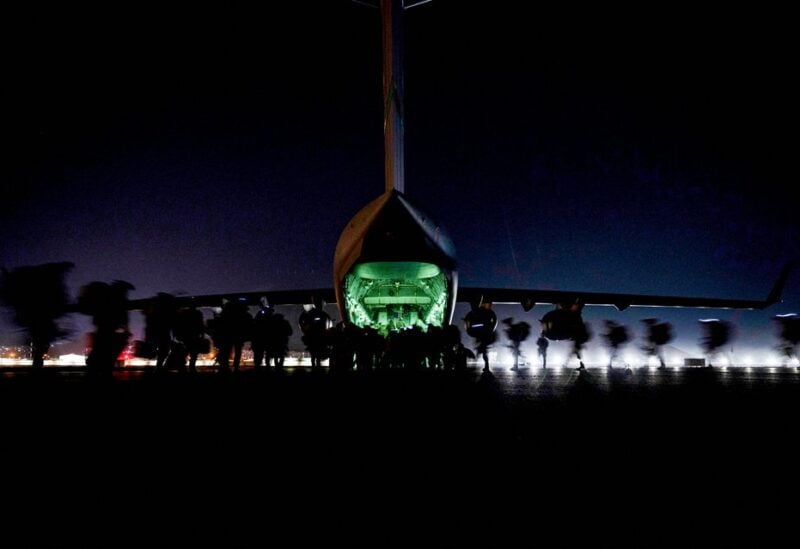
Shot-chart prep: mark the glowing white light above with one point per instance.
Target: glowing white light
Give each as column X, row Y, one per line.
column 72, row 360
column 629, row 357
column 603, row 358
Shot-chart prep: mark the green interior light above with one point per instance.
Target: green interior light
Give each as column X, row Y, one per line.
column 392, row 295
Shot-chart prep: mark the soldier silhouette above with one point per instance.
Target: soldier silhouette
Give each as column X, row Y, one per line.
column 261, row 324
column 517, row 333
column 542, row 345
column 615, row 336
column 789, row 335
column 314, row 323
column 232, row 328
column 658, row 335
column 190, row 332
column 277, row 341
column 481, row 323
column 159, row 321
column 717, row 334
column 108, row 306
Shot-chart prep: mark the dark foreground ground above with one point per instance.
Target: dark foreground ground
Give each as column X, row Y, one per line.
column 640, row 414
column 686, row 442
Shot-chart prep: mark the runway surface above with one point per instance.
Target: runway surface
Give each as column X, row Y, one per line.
column 678, row 412
column 670, row 447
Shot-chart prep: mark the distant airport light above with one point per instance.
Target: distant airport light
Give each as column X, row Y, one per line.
column 629, row 357
column 773, row 359
column 72, row 360
column 787, row 315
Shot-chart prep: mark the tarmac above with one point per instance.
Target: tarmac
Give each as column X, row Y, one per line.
column 676, row 413
column 611, row 443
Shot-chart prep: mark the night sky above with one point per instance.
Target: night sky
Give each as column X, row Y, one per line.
column 210, row 151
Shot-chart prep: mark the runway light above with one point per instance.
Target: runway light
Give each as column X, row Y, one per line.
column 601, row 358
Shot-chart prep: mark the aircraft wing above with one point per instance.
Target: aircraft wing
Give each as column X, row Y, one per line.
column 274, row 297
column 525, row 297
column 528, row 298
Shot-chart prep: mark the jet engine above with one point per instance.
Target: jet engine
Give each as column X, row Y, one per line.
column 563, row 323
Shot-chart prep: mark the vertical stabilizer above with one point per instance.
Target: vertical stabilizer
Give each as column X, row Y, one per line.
column 392, row 18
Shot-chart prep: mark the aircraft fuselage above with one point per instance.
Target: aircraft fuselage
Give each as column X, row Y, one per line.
column 394, row 268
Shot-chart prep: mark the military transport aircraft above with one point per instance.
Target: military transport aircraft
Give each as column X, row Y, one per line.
column 394, row 267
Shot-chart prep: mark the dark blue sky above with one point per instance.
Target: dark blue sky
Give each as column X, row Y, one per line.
column 208, row 151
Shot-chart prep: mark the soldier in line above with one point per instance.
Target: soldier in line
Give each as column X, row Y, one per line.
column 481, row 323
column 517, row 333
column 369, row 348
column 580, row 337
column 658, row 335
column 314, row 323
column 717, row 334
column 159, row 320
column 108, row 306
column 258, row 344
column 616, row 335
column 232, row 328
column 190, row 332
column 277, row 341
column 542, row 345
